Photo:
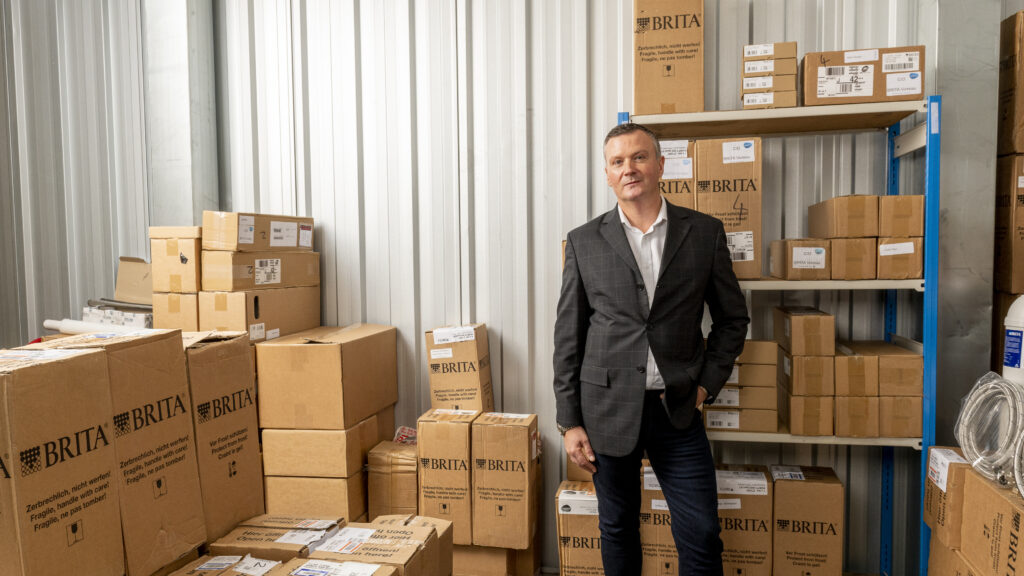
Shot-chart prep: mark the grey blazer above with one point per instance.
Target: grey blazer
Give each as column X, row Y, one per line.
column 604, row 326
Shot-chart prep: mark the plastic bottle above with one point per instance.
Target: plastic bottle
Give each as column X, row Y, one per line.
column 1013, row 336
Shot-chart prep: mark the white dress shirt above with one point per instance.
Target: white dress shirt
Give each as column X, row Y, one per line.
column 648, row 247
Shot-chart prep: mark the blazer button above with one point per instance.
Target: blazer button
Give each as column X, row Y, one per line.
column 641, row 287
column 641, row 369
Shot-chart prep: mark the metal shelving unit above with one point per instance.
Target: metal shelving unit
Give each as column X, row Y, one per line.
column 923, row 137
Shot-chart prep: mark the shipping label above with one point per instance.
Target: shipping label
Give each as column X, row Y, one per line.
column 903, row 84
column 284, row 233
column 267, row 271
column 858, row 56
column 901, row 62
column 759, row 67
column 787, row 473
column 755, row 50
column 452, row 335
column 257, row 331
column 328, row 568
column 437, row 353
column 734, row 376
column 846, row 81
column 301, row 537
column 738, row 151
column 306, row 235
column 809, row 258
column 1020, row 181
column 729, row 504
column 275, row 333
column 678, row 164
column 741, row 245
column 729, row 397
column 938, row 465
column 787, row 365
column 743, row 482
column 246, row 229
column 650, row 480
column 220, row 563
column 759, row 99
column 658, row 504
column 727, row 419
column 896, row 249
column 758, row 83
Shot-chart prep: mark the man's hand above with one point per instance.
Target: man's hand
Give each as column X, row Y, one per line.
column 702, row 395
column 577, row 446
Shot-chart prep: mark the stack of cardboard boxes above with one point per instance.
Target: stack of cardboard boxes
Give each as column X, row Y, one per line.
column 896, row 373
column 769, row 76
column 806, row 369
column 175, row 252
column 749, row 401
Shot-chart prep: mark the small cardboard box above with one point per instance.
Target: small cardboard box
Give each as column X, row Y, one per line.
column 668, row 56
column 245, row 232
column 772, row 67
column 656, row 542
column 773, row 84
column 769, row 51
column 844, row 217
column 327, row 378
column 900, row 371
column 443, row 439
column 238, row 271
column 807, row 415
column 223, row 390
column 579, row 538
column 270, row 543
column 944, row 494
column 854, row 258
column 57, row 448
column 800, row 259
column 297, row 496
column 176, row 312
column 991, row 528
column 745, row 515
column 505, row 450
column 899, row 416
column 175, row 251
column 134, row 281
column 856, row 374
column 759, row 352
column 804, row 331
column 318, row 453
column 874, row 75
column 677, row 183
column 460, row 368
column 327, row 567
column 742, row 420
column 265, row 314
column 729, row 188
column 764, row 100
column 1011, row 95
column 901, row 216
column 807, row 375
column 392, row 479
column 482, row 561
column 900, row 258
column 857, row 416
column 808, row 532
column 1009, row 224
column 407, row 557
column 757, row 397
column 751, row 375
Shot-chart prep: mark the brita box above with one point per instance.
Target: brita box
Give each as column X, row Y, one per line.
column 443, row 441
column 505, row 464
column 668, row 56
column 809, row 517
column 460, row 368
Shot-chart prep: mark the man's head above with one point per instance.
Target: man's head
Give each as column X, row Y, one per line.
column 633, row 163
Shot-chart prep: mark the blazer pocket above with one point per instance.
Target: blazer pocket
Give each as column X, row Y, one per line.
column 594, row 375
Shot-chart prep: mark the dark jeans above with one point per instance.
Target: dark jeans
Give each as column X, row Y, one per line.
column 682, row 462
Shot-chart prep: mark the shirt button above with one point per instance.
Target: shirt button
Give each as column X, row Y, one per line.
column 641, row 369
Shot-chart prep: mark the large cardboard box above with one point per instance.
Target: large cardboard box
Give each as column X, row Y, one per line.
column 759, row 352
column 327, row 378
column 579, row 538
column 656, row 542
column 57, row 464
column 800, row 259
column 443, row 444
column 302, row 496
column 944, row 494
column 318, row 453
column 742, row 420
column 175, row 255
column 505, row 451
column 807, row 375
column 856, row 374
column 482, row 561
column 807, row 415
column 769, row 84
column 900, row 371
column 854, row 258
column 265, row 314
column 745, row 515
column 460, row 368
column 330, row 568
column 765, row 100
column 757, row 397
column 901, row 216
column 804, row 331
column 769, row 51
column 677, row 183
column 900, row 258
column 245, row 232
column 271, row 543
column 808, row 530
column 857, row 416
column 844, row 217
column 223, row 391
column 444, row 539
column 668, row 56
column 176, row 312
column 1011, row 94
column 770, row 67
column 1009, row 224
column 392, row 485
column 237, row 271
column 729, row 188
column 874, row 75
column 991, row 528
column 899, row 416
column 434, row 534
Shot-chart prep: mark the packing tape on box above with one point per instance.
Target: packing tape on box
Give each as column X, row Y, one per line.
column 175, row 282
column 857, row 376
column 173, row 304
column 171, row 247
column 220, row 302
column 240, row 271
column 669, row 108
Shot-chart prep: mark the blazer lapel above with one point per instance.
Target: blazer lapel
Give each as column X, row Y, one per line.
column 611, row 229
column 678, row 228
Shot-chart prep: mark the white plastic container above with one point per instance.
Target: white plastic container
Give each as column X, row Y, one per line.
column 1013, row 335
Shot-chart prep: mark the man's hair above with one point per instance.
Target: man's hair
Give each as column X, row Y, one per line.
column 629, row 128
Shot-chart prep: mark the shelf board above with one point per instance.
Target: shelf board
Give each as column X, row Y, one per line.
column 781, row 121
column 786, row 438
column 786, row 285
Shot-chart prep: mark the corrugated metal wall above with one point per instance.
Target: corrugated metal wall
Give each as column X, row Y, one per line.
column 445, row 147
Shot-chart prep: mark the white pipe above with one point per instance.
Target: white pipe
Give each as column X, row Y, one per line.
column 69, row 326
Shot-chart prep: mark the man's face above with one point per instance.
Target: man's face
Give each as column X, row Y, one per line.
column 632, row 166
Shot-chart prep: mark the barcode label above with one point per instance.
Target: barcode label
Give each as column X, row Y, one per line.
column 759, row 67
column 724, row 419
column 741, row 245
column 850, row 81
column 835, row 70
column 759, row 99
column 268, row 271
column 901, row 62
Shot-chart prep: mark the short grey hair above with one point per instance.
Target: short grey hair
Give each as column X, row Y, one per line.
column 629, row 128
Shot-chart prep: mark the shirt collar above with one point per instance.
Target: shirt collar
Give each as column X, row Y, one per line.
column 662, row 217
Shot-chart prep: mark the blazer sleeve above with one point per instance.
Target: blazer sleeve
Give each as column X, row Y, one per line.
column 729, row 319
column 571, row 324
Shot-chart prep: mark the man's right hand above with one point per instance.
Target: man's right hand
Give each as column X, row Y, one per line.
column 577, row 446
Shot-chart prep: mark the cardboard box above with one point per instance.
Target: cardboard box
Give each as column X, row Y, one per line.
column 753, row 375
column 844, row 217
column 246, row 232
column 901, row 216
column 757, row 397
column 854, row 258
column 759, row 352
column 801, row 259
column 435, row 535
column 57, row 461
column 444, row 540
column 990, row 533
column 575, row 473
column 769, row 51
column 1009, row 224
column 741, row 420
column 265, row 314
column 528, row 562
column 134, row 281
column 158, row 480
column 808, row 532
column 579, row 538
column 677, row 183
column 656, row 541
column 408, row 558
column 281, row 544
column 763, row 100
column 856, row 374
column 668, row 56
column 1011, row 96
column 729, row 188
column 327, row 523
column 944, row 494
column 857, row 416
column 327, row 378
column 804, row 331
column 329, row 567
column 807, row 415
column 175, row 251
column 874, row 75
column 386, row 424
column 900, row 258
column 223, row 391
column 318, row 453
column 807, row 375
column 443, row 447
column 769, row 84
column 745, row 515
column 505, row 450
column 238, row 271
column 771, row 67
column 482, row 561
column 390, row 531
column 460, row 368
column 899, row 416
column 1001, row 303
column 391, row 479
column 900, row 371
column 943, row 561
column 176, row 312
column 301, row 496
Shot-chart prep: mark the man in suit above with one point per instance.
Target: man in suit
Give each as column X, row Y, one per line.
column 630, row 364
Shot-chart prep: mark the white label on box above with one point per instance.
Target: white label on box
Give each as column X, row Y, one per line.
column 301, row 537
column 257, row 331
column 657, row 504
column 453, row 335
column 759, row 99
column 220, row 563
column 328, row 568
column 723, row 419
column 729, row 397
column 738, row 151
column 759, row 67
column 857, row 56
column 437, row 353
column 284, row 233
column 741, row 245
column 675, row 148
column 901, row 62
column 254, row 566
column 1020, row 181
column 896, row 249
column 454, row 412
column 938, row 465
column 246, row 229
column 577, row 503
column 347, row 540
column 729, row 504
column 754, row 50
column 809, row 258
column 758, row 83
column 787, row 365
column 267, row 271
column 313, row 524
column 846, row 81
column 734, row 376
column 787, row 473
column 903, row 84
column 508, row 415
column 651, row 479
column 741, row 482
column 306, row 235
column 275, row 333
column 678, row 164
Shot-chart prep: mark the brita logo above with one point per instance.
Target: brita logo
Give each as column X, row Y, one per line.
column 218, row 407
column 675, row 187
column 744, row 524
column 674, row 22
column 148, row 414
column 806, row 527
column 48, row 454
column 656, row 518
column 444, row 464
column 3, row 468
column 913, row 75
column 500, row 465
column 584, row 542
column 452, row 367
column 728, row 185
column 748, row 144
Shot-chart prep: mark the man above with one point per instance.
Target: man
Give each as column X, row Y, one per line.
column 630, row 364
